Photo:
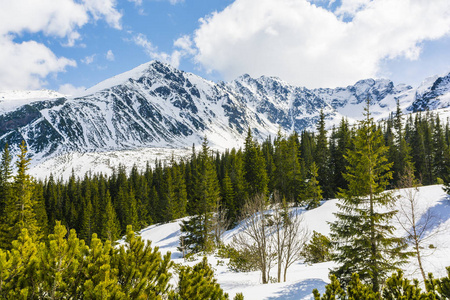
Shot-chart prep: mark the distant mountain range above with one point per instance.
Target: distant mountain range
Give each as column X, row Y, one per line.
column 156, row 105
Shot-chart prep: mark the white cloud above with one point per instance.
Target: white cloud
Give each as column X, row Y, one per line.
column 88, row 59
column 185, row 44
column 309, row 45
column 70, row 90
column 110, row 55
column 153, row 52
column 57, row 18
column 351, row 7
column 104, row 9
column 27, row 64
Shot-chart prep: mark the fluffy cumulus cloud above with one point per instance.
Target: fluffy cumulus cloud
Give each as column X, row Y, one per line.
column 26, row 64
column 104, row 9
column 309, row 45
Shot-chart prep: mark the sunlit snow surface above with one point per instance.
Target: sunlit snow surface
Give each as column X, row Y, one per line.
column 12, row 99
column 105, row 162
column 301, row 278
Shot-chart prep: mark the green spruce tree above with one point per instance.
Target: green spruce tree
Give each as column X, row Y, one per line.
column 313, row 193
column 19, row 209
column 110, row 229
column 322, row 156
column 209, row 194
column 254, row 168
column 363, row 233
column 5, row 180
column 6, row 197
column 180, row 193
column 227, row 194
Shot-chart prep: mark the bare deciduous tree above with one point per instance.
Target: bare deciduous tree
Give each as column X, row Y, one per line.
column 220, row 223
column 275, row 235
column 290, row 235
column 257, row 234
column 417, row 230
column 296, row 236
column 280, row 218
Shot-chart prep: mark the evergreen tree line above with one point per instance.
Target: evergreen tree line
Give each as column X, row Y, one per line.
column 304, row 168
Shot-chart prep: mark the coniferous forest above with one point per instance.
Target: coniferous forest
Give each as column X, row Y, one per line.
column 69, row 227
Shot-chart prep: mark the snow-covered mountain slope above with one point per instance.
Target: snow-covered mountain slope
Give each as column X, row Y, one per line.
column 11, row 100
column 156, row 105
column 433, row 93
column 303, row 278
column 81, row 163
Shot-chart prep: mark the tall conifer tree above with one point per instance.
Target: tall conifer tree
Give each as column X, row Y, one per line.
column 254, row 167
column 180, row 193
column 228, row 198
column 209, row 192
column 403, row 160
column 440, row 156
column 5, row 178
column 5, row 195
column 238, row 179
column 362, row 232
column 322, row 156
column 110, row 229
column 19, row 209
column 313, row 192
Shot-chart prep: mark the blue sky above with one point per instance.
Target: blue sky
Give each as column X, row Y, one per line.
column 69, row 45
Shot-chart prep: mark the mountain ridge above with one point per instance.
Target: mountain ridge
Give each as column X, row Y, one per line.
column 157, row 105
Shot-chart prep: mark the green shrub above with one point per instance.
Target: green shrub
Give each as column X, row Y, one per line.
column 318, row 249
column 240, row 260
column 198, row 283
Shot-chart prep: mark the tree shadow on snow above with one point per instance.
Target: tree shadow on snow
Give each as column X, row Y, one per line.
column 436, row 215
column 300, row 290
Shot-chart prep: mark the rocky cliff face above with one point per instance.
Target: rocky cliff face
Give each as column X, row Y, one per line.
column 156, row 105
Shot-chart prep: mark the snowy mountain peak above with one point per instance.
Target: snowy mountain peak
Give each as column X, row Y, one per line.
column 433, row 93
column 149, row 69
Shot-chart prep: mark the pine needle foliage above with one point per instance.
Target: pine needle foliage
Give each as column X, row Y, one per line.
column 198, row 283
column 362, row 233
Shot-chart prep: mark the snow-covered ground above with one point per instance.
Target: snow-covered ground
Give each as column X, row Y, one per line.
column 302, row 278
column 104, row 162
